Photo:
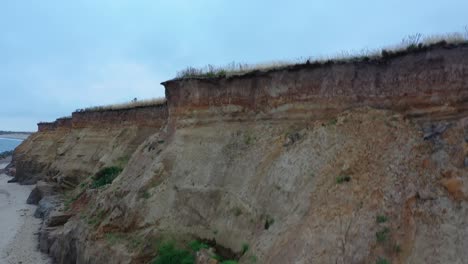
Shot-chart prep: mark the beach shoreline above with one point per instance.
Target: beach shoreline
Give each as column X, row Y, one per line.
column 15, row 136
column 18, row 232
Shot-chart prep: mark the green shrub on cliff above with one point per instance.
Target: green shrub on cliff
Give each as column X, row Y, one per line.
column 382, row 235
column 169, row 254
column 381, row 219
column 105, row 176
column 382, row 261
column 198, row 245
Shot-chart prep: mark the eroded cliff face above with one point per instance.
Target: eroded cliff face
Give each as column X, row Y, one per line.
column 427, row 82
column 70, row 150
column 339, row 163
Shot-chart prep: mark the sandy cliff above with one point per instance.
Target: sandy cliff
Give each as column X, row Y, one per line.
column 71, row 149
column 335, row 163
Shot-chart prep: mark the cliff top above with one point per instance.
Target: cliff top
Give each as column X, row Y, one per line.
column 412, row 44
column 126, row 106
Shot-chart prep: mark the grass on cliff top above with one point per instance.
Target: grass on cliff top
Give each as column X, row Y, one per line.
column 168, row 253
column 408, row 44
column 124, row 106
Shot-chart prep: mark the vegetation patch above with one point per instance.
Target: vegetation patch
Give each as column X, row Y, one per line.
column 125, row 106
column 332, row 122
column 237, row 211
column 105, row 176
column 245, row 248
column 382, row 261
column 209, row 71
column 249, row 139
column 135, row 242
column 69, row 200
column 412, row 43
column 382, row 235
column 146, row 195
column 197, row 245
column 168, row 253
column 114, row 238
column 84, row 185
column 343, row 178
column 97, row 218
column 381, row 219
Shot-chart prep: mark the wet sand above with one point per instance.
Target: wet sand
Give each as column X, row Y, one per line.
column 18, row 229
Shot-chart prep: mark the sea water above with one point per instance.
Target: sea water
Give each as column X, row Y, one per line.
column 7, row 144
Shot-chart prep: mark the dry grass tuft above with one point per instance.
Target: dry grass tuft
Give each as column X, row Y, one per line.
column 408, row 44
column 124, row 106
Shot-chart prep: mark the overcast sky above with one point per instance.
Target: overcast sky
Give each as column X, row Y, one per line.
column 57, row 56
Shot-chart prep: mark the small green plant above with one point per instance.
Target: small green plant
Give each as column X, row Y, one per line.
column 69, row 201
column 237, row 211
column 197, row 245
column 229, row 262
column 105, row 176
column 382, row 261
column 343, row 178
column 217, row 257
column 96, row 219
column 245, row 248
column 382, row 235
column 146, row 195
column 332, row 122
column 381, row 219
column 169, row 254
column 135, row 242
column 249, row 139
column 83, row 185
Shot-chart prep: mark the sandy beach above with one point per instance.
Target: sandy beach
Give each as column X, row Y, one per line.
column 18, row 239
column 15, row 136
